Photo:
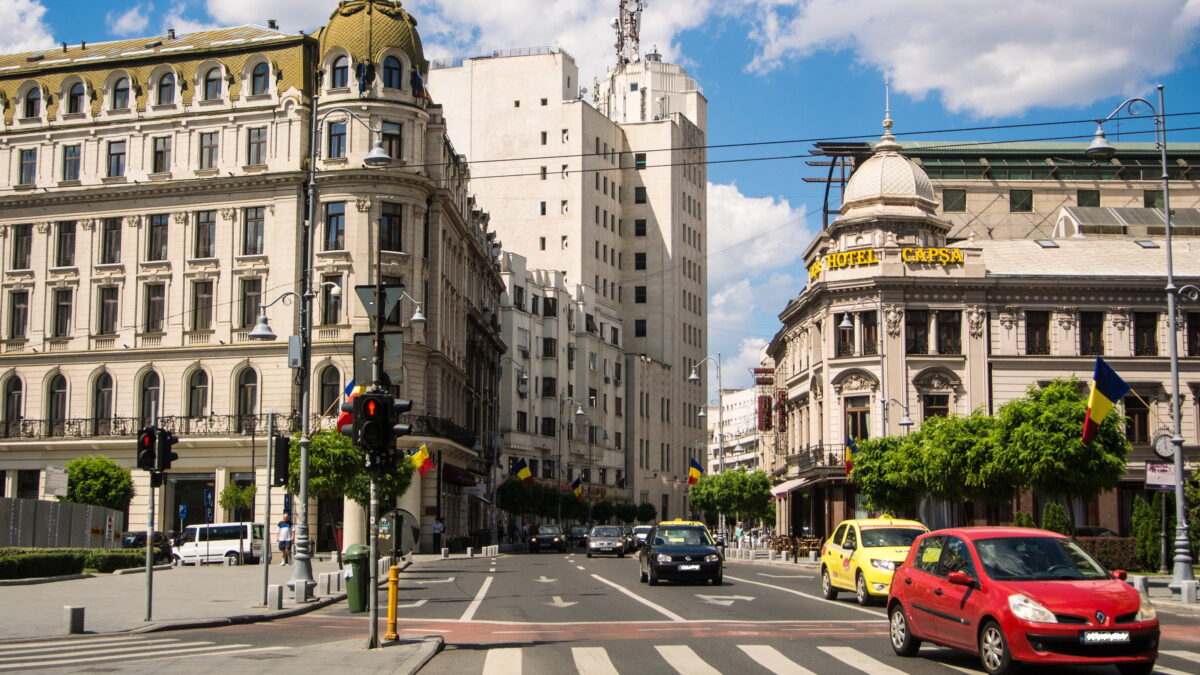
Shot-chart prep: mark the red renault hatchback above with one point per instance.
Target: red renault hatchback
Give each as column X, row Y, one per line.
column 1013, row 595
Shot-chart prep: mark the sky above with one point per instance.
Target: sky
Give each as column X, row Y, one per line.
column 776, row 71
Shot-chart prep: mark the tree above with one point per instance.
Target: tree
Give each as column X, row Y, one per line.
column 744, row 495
column 626, row 513
column 1021, row 519
column 957, row 455
column 890, row 473
column 237, row 498
column 602, row 511
column 1147, row 529
column 1054, row 518
column 99, row 481
column 646, row 512
column 515, row 496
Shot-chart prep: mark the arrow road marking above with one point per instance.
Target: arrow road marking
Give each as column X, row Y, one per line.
column 416, row 603
column 543, row 580
column 558, row 602
column 435, row 581
column 474, row 606
column 722, row 600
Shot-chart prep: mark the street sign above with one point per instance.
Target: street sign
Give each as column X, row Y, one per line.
column 183, row 511
column 391, row 297
column 393, row 356
column 287, row 503
column 1160, row 476
column 208, row 497
column 56, row 481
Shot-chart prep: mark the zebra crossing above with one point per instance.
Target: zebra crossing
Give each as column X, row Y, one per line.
column 22, row 656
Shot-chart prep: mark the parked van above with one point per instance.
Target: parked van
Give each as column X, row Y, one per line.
column 238, row 542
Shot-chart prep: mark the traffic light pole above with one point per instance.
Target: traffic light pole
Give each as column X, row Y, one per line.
column 150, row 521
column 377, row 385
column 266, row 554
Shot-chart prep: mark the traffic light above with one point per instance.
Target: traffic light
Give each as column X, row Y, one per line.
column 345, row 421
column 399, row 408
column 166, row 440
column 283, row 460
column 373, row 422
column 147, row 448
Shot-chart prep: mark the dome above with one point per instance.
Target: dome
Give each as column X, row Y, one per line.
column 366, row 27
column 888, row 175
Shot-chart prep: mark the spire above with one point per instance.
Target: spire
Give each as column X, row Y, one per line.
column 887, row 142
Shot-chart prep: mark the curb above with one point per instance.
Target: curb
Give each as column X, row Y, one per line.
column 44, row 580
column 142, row 570
column 426, row 650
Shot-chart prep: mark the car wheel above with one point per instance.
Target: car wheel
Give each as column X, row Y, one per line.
column 233, row 559
column 1135, row 668
column 903, row 642
column 860, row 590
column 589, row 554
column 827, row 590
column 993, row 650
column 718, row 580
column 621, row 554
column 653, row 581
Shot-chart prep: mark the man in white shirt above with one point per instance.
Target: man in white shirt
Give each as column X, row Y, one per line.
column 285, row 539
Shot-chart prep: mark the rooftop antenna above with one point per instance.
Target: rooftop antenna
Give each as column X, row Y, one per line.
column 629, row 27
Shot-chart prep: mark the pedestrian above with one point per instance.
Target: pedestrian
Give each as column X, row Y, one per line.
column 512, row 532
column 439, row 530
column 737, row 536
column 285, row 539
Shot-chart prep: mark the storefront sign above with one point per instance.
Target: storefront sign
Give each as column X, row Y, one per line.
column 1160, row 476
column 941, row 256
column 842, row 259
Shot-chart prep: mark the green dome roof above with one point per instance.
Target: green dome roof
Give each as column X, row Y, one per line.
column 366, row 28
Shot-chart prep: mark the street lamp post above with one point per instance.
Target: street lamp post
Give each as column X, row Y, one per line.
column 695, row 377
column 1100, row 149
column 562, row 431
column 522, row 386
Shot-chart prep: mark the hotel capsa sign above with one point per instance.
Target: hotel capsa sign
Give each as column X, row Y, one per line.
column 868, row 256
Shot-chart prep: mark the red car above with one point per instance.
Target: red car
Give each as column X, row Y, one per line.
column 1013, row 595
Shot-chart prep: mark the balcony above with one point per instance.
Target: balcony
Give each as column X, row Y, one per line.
column 820, row 461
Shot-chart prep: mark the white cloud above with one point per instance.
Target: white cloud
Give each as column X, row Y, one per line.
column 130, row 22
column 986, row 57
column 175, row 18
column 292, row 15
column 751, row 234
column 22, row 29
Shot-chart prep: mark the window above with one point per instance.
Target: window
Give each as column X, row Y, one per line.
column 116, row 159
column 639, row 161
column 252, row 230
column 1020, row 201
column 392, row 74
column 337, row 140
column 251, row 296
column 390, row 231
column 1137, row 420
column 64, row 244
column 260, row 78
column 208, row 150
column 549, row 386
column 639, row 260
column 61, row 326
column 102, row 404
column 639, row 294
column 198, row 394
column 70, row 162
column 1091, row 333
column 156, row 239
column 1087, row 197
column 335, row 226
column 256, row 146
column 18, row 314
column 149, row 398
column 106, row 321
column 27, row 170
column 166, row 89
column 33, row 103
column 949, row 332
column 936, row 405
column 120, row 95
column 845, row 336
column 331, row 303
column 202, row 305
column 916, row 332
column 954, row 201
column 1193, row 333
column 330, row 388
column 162, row 154
column 639, row 195
column 205, row 234
column 929, row 555
column 22, row 246
column 57, row 410
column 544, row 138
column 1037, row 333
column 14, row 392
column 1152, row 199
column 639, row 328
column 75, row 99
column 247, row 396
column 339, row 74
column 869, row 324
column 957, row 558
column 156, row 297
column 1145, row 333
column 212, row 84
column 639, row 227
column 542, row 173
column 391, row 139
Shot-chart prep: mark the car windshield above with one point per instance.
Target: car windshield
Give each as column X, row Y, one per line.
column 549, row 529
column 605, row 532
column 1040, row 558
column 641, row 529
column 682, row 536
column 132, row 540
column 889, row 536
column 578, row 529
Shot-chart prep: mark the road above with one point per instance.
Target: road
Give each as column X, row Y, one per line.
column 555, row 613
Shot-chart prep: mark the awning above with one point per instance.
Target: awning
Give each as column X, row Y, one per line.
column 457, row 475
column 788, row 486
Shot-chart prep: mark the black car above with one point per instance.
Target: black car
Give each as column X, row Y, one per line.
column 162, row 544
column 680, row 551
column 548, row 536
column 577, row 535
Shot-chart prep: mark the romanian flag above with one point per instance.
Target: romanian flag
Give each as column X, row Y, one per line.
column 422, row 461
column 694, row 471
column 577, row 488
column 851, row 448
column 1107, row 389
column 346, row 419
column 418, row 85
column 521, row 470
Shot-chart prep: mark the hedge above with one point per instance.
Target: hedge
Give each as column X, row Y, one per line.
column 1115, row 553
column 22, row 563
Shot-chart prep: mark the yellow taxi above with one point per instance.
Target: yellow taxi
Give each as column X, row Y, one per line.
column 862, row 554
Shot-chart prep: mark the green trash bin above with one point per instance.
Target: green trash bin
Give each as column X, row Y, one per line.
column 358, row 576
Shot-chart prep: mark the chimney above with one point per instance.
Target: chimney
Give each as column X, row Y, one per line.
column 272, row 24
column 83, row 45
column 170, row 33
column 64, row 47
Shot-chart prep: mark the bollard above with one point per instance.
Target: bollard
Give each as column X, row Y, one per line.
column 393, row 584
column 812, row 556
column 274, row 597
column 72, row 619
column 771, row 554
column 327, row 583
column 339, row 582
column 785, row 555
column 445, row 553
column 1187, row 591
column 470, row 552
column 753, row 555
column 1140, row 583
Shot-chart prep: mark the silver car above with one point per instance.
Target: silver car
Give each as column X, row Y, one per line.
column 606, row 539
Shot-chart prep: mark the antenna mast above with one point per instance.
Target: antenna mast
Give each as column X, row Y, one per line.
column 629, row 27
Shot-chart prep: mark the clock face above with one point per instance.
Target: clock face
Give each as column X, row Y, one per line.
column 1163, row 447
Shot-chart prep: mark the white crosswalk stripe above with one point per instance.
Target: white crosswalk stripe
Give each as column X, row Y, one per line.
column 592, row 661
column 1194, row 657
column 856, row 659
column 28, row 655
column 772, row 660
column 686, row 661
column 506, row 661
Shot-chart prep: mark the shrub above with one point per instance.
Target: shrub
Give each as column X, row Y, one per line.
column 1115, row 553
column 1023, row 520
column 1054, row 518
column 1147, row 529
column 118, row 559
column 27, row 563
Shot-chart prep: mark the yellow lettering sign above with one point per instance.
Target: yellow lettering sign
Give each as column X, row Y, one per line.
column 940, row 256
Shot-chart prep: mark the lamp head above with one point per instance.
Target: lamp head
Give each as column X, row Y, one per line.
column 335, row 290
column 693, row 377
column 579, row 412
column 378, row 156
column 846, row 324
column 906, row 421
column 702, row 413
column 418, row 317
column 522, row 378
column 262, row 329
column 1099, row 148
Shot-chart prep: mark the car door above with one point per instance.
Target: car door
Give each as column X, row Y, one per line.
column 850, row 546
column 919, row 586
column 958, row 605
column 831, row 556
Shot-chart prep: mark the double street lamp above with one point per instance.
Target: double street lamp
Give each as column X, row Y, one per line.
column 1101, row 149
column 695, row 377
column 562, row 402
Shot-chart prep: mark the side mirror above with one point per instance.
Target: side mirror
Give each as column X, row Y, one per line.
column 1120, row 574
column 850, row 546
column 960, row 579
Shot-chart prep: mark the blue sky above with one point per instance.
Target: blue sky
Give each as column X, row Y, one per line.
column 777, row 70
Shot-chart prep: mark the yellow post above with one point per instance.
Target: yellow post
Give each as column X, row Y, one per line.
column 393, row 586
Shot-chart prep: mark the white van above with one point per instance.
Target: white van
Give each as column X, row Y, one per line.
column 239, row 542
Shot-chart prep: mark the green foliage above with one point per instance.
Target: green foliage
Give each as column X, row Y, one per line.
column 1022, row 519
column 744, row 495
column 646, row 512
column 1055, row 519
column 626, row 513
column 957, row 458
column 99, row 481
column 237, row 497
column 335, row 468
column 545, row 501
column 18, row 563
column 602, row 511
column 1191, row 493
column 890, row 474
column 572, row 508
column 1115, row 553
column 515, row 496
column 1147, row 529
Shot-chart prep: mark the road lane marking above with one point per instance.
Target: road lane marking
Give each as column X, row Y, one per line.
column 413, row 604
column 505, row 661
column 787, row 576
column 592, row 661
column 61, row 645
column 579, row 566
column 127, row 657
column 722, row 600
column 873, row 613
column 543, row 580
column 470, row 613
column 856, row 659
column 434, row 581
column 1159, row 669
column 558, row 602
column 14, row 657
column 658, row 608
column 685, row 661
column 1194, row 657
column 771, row 659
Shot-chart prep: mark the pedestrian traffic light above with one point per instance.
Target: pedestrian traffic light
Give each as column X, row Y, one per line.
column 147, row 448
column 373, row 421
column 166, row 440
column 399, row 408
column 283, row 460
column 345, row 421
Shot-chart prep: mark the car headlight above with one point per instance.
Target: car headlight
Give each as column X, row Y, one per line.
column 712, row 557
column 883, row 564
column 556, row 540
column 1024, row 607
column 664, row 558
column 1146, row 611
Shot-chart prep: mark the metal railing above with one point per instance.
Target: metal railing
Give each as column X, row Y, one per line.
column 817, row 458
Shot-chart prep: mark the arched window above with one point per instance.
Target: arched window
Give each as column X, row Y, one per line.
column 339, row 75
column 392, row 73
column 212, row 84
column 331, row 389
column 33, row 102
column 120, row 96
column 260, row 78
column 166, row 89
column 102, row 405
column 56, row 412
column 198, row 394
column 14, row 393
column 75, row 98
column 150, row 401
column 247, row 398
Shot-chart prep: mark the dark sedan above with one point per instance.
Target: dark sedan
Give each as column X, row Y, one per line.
column 680, row 551
column 606, row 539
column 548, row 536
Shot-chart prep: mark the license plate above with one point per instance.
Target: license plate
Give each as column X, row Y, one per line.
column 605, row 548
column 1105, row 637
column 689, row 568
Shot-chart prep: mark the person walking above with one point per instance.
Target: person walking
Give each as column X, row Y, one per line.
column 285, row 539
